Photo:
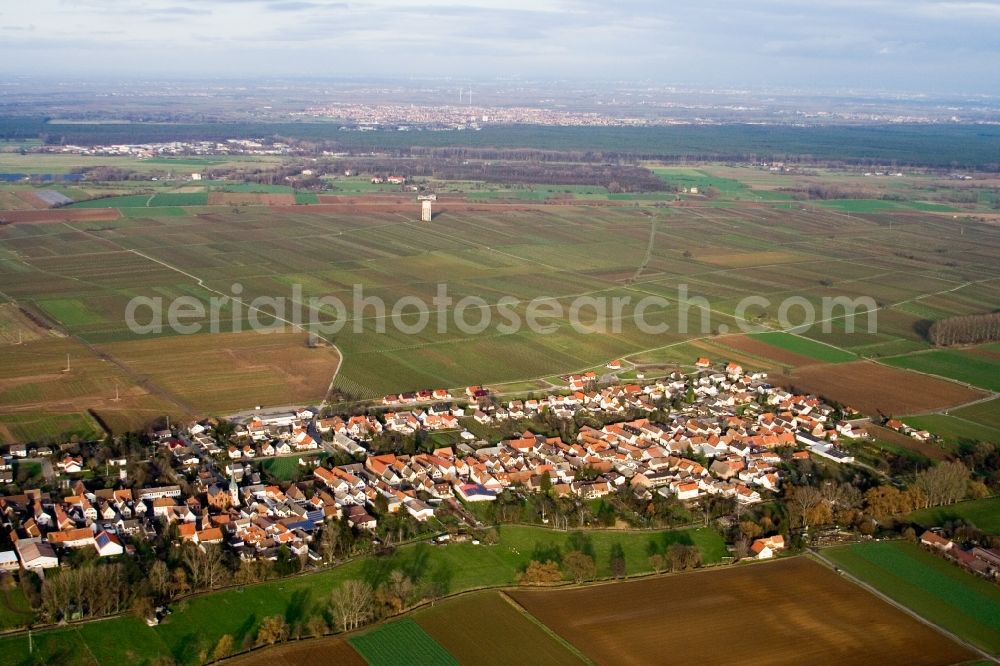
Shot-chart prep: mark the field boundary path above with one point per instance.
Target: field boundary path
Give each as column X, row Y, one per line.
column 889, row 600
column 544, row 627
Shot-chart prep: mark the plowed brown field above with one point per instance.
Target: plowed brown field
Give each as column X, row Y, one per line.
column 874, row 388
column 793, row 611
column 318, row 652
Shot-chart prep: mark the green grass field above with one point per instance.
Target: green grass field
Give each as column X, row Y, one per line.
column 257, row 187
column 401, row 642
column 179, row 199
column 14, row 609
column 158, row 199
column 983, row 513
column 954, row 429
column 879, row 205
column 975, row 369
column 46, row 426
column 684, row 177
column 287, row 468
column 126, row 201
column 65, row 647
column 986, row 413
column 70, row 312
column 932, row 587
column 805, row 347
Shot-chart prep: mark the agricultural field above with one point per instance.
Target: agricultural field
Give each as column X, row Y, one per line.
column 955, row 429
column 217, row 374
column 934, row 588
column 896, row 442
column 401, row 642
column 864, row 385
column 492, row 632
column 17, row 327
column 805, row 347
column 317, row 652
column 832, row 620
column 986, row 413
column 963, row 365
column 759, row 354
column 80, row 267
column 40, row 400
column 983, row 513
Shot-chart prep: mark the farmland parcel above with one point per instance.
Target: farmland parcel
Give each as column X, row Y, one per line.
column 931, row 586
column 831, row 620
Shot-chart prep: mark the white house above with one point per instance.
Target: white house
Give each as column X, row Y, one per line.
column 765, row 548
column 8, row 561
column 36, row 554
column 107, row 544
column 419, row 510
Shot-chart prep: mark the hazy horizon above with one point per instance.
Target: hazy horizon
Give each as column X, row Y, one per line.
column 936, row 47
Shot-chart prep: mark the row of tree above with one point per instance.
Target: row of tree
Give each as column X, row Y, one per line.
column 965, row 329
column 85, row 592
column 845, row 504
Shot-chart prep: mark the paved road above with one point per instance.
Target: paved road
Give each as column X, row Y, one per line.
column 857, row 581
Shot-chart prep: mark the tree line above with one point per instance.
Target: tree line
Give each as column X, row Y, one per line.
column 965, row 329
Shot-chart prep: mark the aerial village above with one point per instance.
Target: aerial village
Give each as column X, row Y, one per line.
column 726, row 434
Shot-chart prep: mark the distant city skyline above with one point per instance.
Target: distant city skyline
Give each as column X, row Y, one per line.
column 929, row 46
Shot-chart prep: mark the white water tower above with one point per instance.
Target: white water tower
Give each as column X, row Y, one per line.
column 425, row 206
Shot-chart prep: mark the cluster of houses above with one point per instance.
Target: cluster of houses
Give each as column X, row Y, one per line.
column 254, row 519
column 979, row 560
column 909, row 431
column 735, row 424
column 102, row 519
column 723, row 439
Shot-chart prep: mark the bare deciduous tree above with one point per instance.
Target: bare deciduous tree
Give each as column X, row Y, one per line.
column 352, row 604
column 945, row 483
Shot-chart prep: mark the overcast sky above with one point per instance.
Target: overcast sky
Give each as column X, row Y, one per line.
column 933, row 46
